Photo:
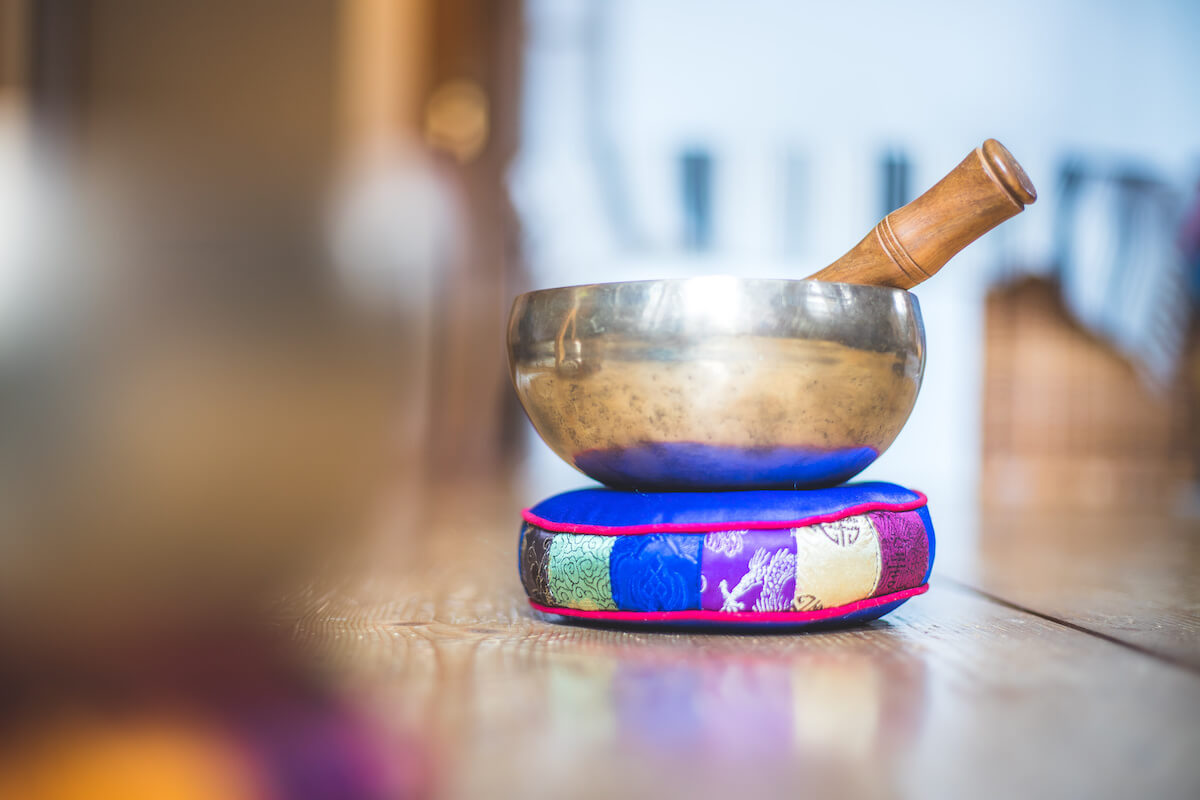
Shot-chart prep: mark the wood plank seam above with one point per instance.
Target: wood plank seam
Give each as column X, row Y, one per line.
column 1165, row 658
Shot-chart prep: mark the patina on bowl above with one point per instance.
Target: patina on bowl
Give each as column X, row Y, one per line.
column 717, row 382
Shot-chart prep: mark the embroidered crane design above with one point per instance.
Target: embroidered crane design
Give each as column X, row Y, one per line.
column 770, row 570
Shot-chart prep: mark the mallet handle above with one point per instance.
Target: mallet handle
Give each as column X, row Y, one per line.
column 913, row 242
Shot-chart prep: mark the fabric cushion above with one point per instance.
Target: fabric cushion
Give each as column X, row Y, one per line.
column 782, row 557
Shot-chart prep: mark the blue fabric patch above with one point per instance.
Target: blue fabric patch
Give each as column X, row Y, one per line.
column 616, row 507
column 656, row 572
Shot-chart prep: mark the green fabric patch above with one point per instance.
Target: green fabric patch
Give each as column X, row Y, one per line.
column 579, row 576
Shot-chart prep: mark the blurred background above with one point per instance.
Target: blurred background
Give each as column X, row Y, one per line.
column 666, row 139
column 256, row 259
column 208, row 175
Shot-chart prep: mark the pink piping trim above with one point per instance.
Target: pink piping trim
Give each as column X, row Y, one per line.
column 704, row 527
column 702, row 615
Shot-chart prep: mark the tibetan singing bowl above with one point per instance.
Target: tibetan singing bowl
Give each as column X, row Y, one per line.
column 726, row 383
column 717, row 382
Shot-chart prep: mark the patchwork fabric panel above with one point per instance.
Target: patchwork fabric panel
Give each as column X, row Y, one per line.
column 748, row 571
column 535, row 564
column 903, row 548
column 656, row 572
column 854, row 564
column 836, row 563
column 579, row 571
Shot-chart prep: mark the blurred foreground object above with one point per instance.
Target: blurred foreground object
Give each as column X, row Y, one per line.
column 194, row 408
column 140, row 759
column 248, row 728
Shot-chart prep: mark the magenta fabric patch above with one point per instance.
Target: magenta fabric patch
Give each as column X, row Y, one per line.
column 748, row 571
column 903, row 548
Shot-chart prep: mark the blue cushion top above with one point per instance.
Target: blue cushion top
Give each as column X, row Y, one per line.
column 619, row 508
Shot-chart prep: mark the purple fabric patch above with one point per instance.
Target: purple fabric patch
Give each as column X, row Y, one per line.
column 903, row 549
column 748, row 571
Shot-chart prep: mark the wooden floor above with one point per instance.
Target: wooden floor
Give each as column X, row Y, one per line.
column 1067, row 664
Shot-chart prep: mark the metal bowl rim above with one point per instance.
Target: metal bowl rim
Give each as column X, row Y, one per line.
column 859, row 288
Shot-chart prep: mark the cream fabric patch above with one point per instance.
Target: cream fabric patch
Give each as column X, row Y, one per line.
column 836, row 563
